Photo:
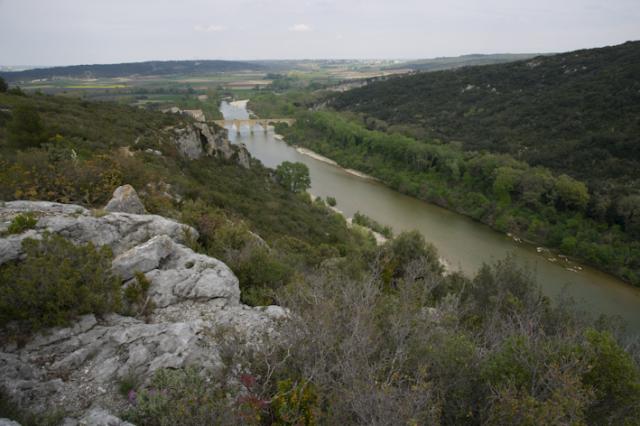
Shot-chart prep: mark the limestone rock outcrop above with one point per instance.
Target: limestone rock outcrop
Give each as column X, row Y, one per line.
column 125, row 199
column 199, row 139
column 190, row 142
column 196, row 298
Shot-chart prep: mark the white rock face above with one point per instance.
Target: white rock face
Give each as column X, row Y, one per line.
column 189, row 142
column 120, row 231
column 78, row 367
column 198, row 139
column 177, row 273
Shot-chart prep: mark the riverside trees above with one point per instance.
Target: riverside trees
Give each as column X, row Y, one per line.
column 496, row 189
column 293, row 176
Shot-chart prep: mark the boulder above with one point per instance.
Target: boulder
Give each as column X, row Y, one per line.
column 125, row 200
column 177, row 273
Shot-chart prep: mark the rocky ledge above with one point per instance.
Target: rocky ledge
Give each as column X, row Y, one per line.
column 195, row 298
column 199, row 139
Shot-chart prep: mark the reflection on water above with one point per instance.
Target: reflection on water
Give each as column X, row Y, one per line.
column 464, row 243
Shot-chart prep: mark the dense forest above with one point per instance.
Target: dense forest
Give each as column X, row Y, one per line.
column 576, row 113
column 129, row 69
column 377, row 335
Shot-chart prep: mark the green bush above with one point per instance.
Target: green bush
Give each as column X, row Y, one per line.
column 331, row 201
column 260, row 275
column 57, row 282
column 364, row 220
column 25, row 130
column 615, row 377
column 21, row 223
column 136, row 296
column 9, row 410
column 295, row 404
column 177, row 397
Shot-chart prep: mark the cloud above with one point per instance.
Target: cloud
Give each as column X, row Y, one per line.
column 300, row 28
column 209, row 28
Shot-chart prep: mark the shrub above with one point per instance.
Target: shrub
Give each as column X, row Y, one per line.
column 57, row 282
column 35, row 176
column 25, row 130
column 366, row 221
column 260, row 274
column 21, row 223
column 295, row 404
column 406, row 252
column 9, row 410
column 3, row 85
column 331, row 201
column 136, row 296
column 615, row 377
column 178, row 397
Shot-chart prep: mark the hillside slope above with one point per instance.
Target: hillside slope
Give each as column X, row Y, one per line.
column 128, row 69
column 362, row 324
column 576, row 113
column 445, row 63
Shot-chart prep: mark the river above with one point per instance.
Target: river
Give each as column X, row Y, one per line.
column 463, row 243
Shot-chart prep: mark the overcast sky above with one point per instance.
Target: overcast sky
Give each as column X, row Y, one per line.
column 60, row 32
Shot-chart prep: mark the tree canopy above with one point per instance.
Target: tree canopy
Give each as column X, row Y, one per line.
column 293, row 176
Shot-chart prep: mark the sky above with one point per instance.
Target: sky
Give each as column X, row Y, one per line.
column 64, row 32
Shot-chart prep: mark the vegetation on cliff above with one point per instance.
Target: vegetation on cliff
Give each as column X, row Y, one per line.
column 85, row 150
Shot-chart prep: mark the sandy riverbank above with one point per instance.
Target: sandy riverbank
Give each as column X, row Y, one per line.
column 316, row 156
column 359, row 174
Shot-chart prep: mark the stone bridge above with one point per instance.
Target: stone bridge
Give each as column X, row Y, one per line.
column 253, row 122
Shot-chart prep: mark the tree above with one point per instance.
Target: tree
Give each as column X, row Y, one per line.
column 571, row 193
column 3, row 85
column 25, row 130
column 629, row 210
column 293, row 176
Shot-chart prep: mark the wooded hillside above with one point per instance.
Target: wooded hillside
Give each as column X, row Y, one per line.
column 575, row 113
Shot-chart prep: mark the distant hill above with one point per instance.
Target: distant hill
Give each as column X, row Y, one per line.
column 445, row 63
column 128, row 69
column 576, row 113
